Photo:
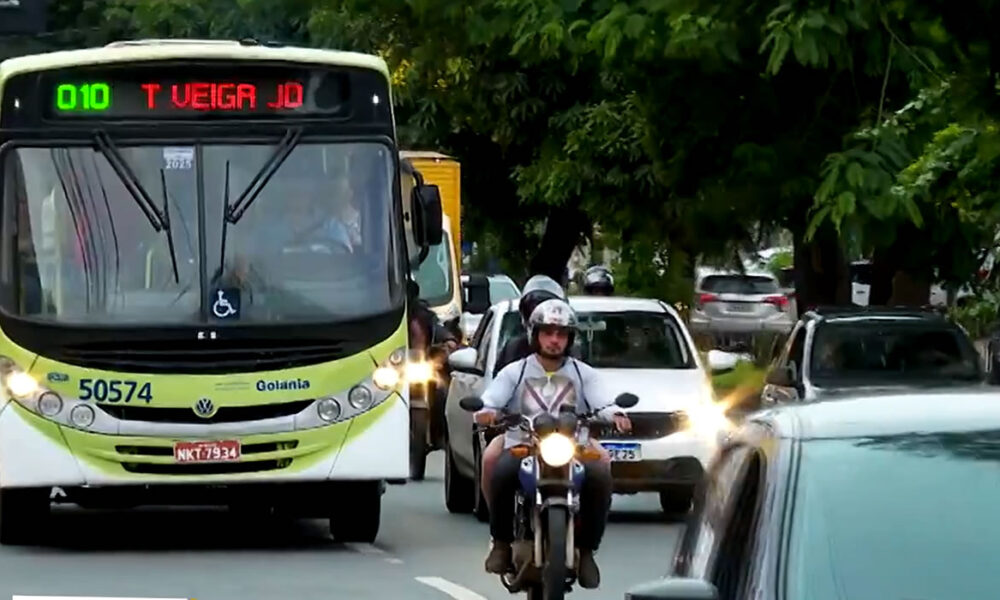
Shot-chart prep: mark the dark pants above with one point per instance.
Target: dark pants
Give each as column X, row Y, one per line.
column 595, row 501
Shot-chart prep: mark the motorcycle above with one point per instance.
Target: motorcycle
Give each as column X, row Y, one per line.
column 547, row 503
column 427, row 380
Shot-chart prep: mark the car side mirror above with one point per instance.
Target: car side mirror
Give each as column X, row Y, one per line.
column 674, row 588
column 427, row 208
column 720, row 362
column 478, row 292
column 782, row 376
column 464, row 361
column 626, row 400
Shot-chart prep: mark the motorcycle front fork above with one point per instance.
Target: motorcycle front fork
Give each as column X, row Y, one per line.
column 531, row 527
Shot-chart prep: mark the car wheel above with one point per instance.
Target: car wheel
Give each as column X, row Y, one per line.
column 676, row 500
column 457, row 487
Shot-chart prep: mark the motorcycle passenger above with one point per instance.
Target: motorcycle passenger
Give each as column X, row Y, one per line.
column 538, row 289
column 598, row 281
column 544, row 381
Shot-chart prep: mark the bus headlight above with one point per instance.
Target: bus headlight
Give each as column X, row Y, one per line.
column 556, row 449
column 386, row 378
column 50, row 404
column 328, row 409
column 419, row 372
column 20, row 384
column 398, row 356
column 360, row 397
column 82, row 416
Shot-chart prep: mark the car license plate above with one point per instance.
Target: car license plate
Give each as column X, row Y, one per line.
column 741, row 307
column 207, row 452
column 624, row 452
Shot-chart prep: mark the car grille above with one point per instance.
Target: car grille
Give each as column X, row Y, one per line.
column 650, row 426
column 225, row 414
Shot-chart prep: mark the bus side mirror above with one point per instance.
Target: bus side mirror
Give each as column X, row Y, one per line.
column 427, row 205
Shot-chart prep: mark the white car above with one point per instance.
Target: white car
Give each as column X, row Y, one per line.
column 641, row 346
column 502, row 288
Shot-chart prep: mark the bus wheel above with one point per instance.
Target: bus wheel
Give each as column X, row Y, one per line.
column 22, row 514
column 359, row 513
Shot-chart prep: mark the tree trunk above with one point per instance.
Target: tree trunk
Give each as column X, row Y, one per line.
column 563, row 230
column 909, row 290
column 821, row 272
column 885, row 264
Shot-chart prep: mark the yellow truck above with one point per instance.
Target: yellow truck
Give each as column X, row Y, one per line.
column 436, row 270
column 438, row 274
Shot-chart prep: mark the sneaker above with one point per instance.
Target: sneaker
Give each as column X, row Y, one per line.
column 498, row 560
column 587, row 573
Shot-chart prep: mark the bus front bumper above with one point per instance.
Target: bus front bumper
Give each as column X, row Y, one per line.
column 35, row 452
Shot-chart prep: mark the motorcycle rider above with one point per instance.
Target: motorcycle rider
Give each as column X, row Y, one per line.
column 598, row 281
column 544, row 381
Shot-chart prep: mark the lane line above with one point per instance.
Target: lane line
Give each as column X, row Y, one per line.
column 366, row 549
column 452, row 589
column 394, row 561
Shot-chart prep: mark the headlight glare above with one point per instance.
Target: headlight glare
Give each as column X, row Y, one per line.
column 386, row 378
column 556, row 449
column 360, row 397
column 419, row 372
column 20, row 384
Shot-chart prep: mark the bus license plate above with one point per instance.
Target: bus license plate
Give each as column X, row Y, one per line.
column 624, row 452
column 207, row 452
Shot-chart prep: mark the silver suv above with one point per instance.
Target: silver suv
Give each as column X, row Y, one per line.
column 731, row 306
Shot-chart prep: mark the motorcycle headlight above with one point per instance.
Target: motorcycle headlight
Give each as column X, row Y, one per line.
column 556, row 449
column 708, row 418
column 419, row 372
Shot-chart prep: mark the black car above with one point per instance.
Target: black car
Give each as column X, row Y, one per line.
column 874, row 497
column 845, row 349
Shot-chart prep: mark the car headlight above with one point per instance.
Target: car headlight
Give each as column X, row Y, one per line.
column 328, row 409
column 20, row 384
column 556, row 449
column 50, row 404
column 708, row 418
column 419, row 372
column 386, row 378
column 82, row 416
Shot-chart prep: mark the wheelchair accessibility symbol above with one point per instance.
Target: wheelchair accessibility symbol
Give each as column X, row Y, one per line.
column 226, row 304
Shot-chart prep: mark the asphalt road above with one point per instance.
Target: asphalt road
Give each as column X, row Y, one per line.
column 423, row 552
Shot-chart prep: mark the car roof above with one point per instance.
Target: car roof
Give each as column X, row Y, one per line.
column 606, row 304
column 703, row 272
column 887, row 413
column 882, row 313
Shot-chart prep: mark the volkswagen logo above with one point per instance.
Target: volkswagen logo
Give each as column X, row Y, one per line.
column 204, row 408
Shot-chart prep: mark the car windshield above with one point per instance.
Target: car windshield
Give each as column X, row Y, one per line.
column 908, row 516
column 434, row 274
column 502, row 289
column 739, row 284
column 871, row 351
column 315, row 245
column 625, row 340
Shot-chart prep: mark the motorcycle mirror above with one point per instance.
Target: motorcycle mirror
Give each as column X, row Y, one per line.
column 471, row 403
column 626, row 400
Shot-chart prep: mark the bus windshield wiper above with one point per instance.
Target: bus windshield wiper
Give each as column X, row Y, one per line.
column 236, row 210
column 153, row 213
column 166, row 226
column 233, row 212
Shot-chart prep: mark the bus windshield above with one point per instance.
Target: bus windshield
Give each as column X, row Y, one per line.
column 317, row 244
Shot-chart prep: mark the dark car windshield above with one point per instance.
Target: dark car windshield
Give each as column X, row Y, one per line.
column 871, row 352
column 739, row 284
column 621, row 340
column 909, row 516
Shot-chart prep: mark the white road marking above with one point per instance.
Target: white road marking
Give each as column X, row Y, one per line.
column 452, row 589
column 394, row 561
column 87, row 598
column 368, row 549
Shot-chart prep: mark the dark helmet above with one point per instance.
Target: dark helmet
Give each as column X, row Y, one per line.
column 538, row 289
column 598, row 281
column 552, row 313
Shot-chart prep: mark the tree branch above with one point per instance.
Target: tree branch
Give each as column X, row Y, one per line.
column 885, row 82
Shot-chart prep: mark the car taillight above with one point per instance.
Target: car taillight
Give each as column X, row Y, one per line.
column 780, row 301
column 706, row 298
